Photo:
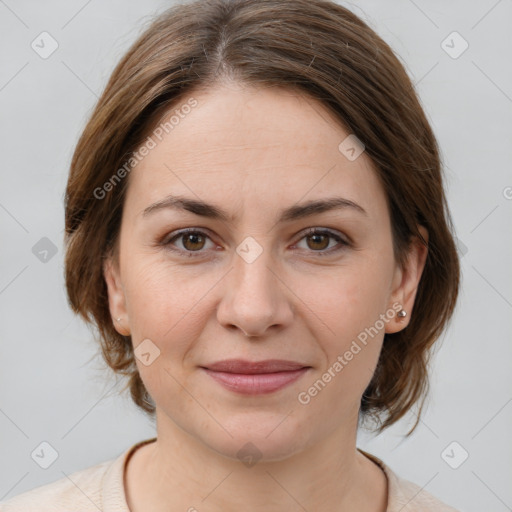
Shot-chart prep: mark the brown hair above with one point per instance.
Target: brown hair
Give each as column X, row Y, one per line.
column 322, row 50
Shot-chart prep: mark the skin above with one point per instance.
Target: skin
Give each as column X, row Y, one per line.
column 254, row 152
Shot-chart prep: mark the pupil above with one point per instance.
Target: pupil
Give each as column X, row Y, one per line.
column 316, row 237
column 193, row 238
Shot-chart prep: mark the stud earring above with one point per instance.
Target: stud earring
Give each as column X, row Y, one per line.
column 402, row 314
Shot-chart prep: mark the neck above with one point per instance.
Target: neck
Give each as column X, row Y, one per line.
column 182, row 473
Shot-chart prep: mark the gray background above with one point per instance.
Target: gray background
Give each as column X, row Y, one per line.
column 53, row 388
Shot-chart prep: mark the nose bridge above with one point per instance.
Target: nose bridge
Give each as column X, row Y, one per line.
column 254, row 300
column 252, row 274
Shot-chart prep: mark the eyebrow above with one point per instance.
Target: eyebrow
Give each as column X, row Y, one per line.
column 295, row 212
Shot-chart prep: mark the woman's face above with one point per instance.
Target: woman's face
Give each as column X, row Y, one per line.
column 324, row 300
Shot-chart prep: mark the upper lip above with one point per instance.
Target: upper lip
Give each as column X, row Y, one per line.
column 254, row 367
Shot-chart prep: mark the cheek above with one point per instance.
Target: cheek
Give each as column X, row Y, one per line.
column 165, row 302
column 164, row 306
column 350, row 304
column 347, row 300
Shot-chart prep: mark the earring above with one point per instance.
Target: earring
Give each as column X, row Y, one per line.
column 402, row 314
column 118, row 319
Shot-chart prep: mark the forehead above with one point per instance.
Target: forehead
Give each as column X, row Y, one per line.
column 264, row 147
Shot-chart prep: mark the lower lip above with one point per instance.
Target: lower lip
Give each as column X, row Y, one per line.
column 256, row 384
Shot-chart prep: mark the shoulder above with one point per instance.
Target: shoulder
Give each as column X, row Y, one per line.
column 98, row 487
column 409, row 497
column 406, row 496
column 80, row 490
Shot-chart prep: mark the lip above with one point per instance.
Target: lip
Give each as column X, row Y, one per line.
column 255, row 377
column 254, row 367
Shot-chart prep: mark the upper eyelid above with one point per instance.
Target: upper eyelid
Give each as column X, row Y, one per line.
column 333, row 232
column 344, row 239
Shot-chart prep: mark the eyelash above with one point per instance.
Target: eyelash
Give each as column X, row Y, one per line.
column 167, row 242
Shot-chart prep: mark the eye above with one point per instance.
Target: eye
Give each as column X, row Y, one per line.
column 318, row 241
column 192, row 241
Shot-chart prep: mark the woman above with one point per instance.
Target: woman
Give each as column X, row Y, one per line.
column 256, row 224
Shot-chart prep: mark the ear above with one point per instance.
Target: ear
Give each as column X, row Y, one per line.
column 116, row 297
column 406, row 281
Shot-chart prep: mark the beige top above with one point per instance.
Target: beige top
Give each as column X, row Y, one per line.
column 101, row 487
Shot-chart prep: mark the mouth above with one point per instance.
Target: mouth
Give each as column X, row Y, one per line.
column 258, row 377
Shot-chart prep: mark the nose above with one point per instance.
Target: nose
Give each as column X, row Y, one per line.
column 255, row 296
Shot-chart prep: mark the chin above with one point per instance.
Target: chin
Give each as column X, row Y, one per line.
column 262, row 436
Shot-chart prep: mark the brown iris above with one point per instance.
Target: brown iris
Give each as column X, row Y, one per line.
column 194, row 239
column 316, row 237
